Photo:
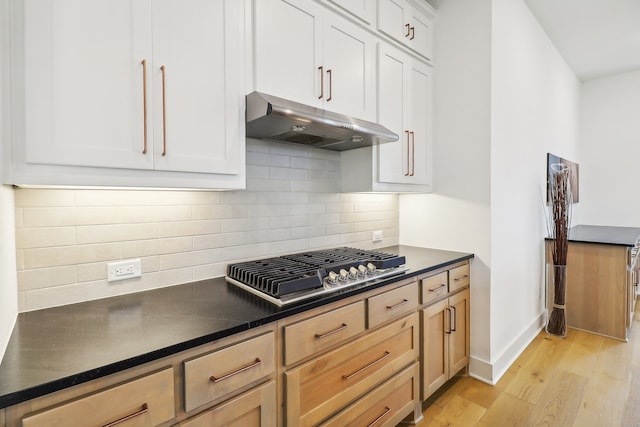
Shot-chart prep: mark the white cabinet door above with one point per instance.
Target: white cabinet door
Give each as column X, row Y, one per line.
column 308, row 54
column 405, row 86
column 84, row 82
column 420, row 125
column 349, row 69
column 406, row 24
column 288, row 50
column 197, row 92
column 392, row 80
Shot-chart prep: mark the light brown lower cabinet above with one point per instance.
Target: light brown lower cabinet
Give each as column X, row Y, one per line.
column 324, row 386
column 369, row 360
column 445, row 340
column 147, row 401
column 255, row 408
column 386, row 405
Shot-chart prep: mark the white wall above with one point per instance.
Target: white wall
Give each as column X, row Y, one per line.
column 504, row 98
column 535, row 109
column 8, row 288
column 610, row 150
column 456, row 216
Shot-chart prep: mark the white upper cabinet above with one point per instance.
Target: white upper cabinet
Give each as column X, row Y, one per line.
column 405, row 102
column 311, row 55
column 84, row 82
column 119, row 92
column 406, row 96
column 408, row 24
column 197, row 86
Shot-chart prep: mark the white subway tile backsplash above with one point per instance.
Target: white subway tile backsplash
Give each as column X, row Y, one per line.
column 66, row 238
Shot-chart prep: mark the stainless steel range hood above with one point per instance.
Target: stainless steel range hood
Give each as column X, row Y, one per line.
column 270, row 117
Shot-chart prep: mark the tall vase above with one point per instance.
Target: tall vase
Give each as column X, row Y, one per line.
column 556, row 300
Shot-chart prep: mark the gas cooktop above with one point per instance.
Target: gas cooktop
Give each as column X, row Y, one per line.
column 300, row 276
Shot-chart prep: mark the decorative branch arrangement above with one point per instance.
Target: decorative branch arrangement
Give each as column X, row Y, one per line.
column 559, row 220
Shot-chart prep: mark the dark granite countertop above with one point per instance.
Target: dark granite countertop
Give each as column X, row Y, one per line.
column 59, row 347
column 621, row 236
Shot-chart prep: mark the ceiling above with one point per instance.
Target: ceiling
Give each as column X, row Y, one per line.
column 596, row 37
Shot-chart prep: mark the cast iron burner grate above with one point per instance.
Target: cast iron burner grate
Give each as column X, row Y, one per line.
column 302, row 271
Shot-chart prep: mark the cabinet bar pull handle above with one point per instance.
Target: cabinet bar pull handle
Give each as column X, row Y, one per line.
column 331, row 332
column 330, row 85
column 144, row 104
column 143, row 410
column 454, row 317
column 321, row 68
column 237, row 371
column 448, row 311
column 403, row 302
column 407, row 133
column 413, row 153
column 408, row 30
column 164, row 114
column 379, row 359
column 457, row 279
column 442, row 285
column 381, row 416
column 412, row 33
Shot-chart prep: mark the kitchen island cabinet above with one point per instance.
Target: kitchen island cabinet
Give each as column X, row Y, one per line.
column 601, row 289
column 62, row 354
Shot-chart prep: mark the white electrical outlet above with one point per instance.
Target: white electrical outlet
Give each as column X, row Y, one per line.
column 122, row 270
column 377, row 236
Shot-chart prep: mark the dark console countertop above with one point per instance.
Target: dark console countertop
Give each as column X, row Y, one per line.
column 622, row 236
column 59, row 347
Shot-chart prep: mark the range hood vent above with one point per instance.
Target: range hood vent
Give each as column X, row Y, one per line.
column 270, row 117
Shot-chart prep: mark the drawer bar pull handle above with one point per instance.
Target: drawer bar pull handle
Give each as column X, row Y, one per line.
column 442, row 285
column 449, row 313
column 386, row 411
column 326, row 334
column 403, row 302
column 143, row 410
column 380, row 359
column 457, row 279
column 237, row 371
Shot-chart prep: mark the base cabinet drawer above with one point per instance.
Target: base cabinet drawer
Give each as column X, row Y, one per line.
column 318, row 333
column 255, row 408
column 387, row 405
column 392, row 304
column 214, row 375
column 147, row 401
column 324, row 386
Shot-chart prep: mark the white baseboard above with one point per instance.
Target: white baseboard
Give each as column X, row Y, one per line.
column 491, row 372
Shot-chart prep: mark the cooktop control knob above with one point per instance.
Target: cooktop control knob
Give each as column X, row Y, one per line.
column 344, row 275
column 333, row 278
column 362, row 270
column 371, row 269
column 353, row 273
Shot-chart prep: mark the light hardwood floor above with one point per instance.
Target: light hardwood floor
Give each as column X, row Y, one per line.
column 582, row 380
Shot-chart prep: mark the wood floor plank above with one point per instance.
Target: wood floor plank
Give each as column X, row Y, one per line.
column 604, row 401
column 538, row 370
column 581, row 381
column 459, row 412
column 560, row 400
column 506, row 411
